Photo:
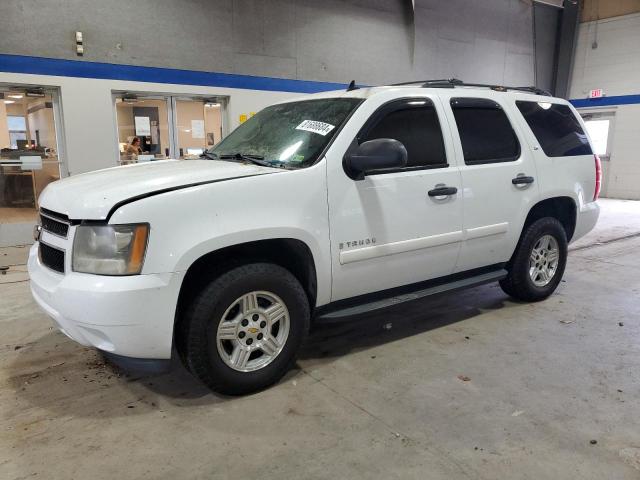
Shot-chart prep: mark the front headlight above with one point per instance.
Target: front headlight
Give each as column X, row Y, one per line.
column 110, row 249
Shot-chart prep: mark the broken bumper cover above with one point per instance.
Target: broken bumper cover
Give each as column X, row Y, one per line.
column 130, row 316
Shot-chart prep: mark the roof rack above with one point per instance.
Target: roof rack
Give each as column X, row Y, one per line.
column 454, row 82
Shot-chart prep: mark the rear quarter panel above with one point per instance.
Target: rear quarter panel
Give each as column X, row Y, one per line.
column 571, row 176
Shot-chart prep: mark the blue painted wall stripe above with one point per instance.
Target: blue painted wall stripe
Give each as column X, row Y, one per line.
column 111, row 71
column 606, row 101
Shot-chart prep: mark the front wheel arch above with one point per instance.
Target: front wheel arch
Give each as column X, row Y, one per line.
column 291, row 254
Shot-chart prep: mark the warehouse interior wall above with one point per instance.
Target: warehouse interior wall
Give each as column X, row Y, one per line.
column 372, row 41
column 481, row 41
column 607, row 57
column 599, row 9
column 546, row 20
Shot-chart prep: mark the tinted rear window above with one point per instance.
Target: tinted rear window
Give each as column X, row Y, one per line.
column 485, row 131
column 556, row 128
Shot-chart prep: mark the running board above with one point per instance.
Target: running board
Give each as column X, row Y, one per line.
column 378, row 303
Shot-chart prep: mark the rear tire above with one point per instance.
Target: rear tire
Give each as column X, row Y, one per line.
column 241, row 333
column 537, row 266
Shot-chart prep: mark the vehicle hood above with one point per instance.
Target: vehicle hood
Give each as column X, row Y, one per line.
column 91, row 196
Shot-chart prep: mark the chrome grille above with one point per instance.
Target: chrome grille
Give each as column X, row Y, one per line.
column 51, row 257
column 54, row 223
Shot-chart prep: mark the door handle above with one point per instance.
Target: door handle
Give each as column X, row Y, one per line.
column 522, row 180
column 443, row 191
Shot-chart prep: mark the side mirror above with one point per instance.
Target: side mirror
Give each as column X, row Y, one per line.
column 378, row 154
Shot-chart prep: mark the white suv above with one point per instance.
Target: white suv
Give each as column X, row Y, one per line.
column 335, row 204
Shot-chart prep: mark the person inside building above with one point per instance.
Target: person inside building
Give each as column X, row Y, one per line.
column 133, row 149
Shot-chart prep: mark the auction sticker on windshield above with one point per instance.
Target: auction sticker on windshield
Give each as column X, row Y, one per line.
column 320, row 128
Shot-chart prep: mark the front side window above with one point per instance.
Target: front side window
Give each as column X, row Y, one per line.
column 556, row 128
column 290, row 135
column 415, row 124
column 485, row 131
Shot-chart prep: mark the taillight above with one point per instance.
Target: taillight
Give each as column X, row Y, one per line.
column 596, row 192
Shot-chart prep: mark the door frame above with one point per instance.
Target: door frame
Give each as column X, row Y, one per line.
column 58, row 124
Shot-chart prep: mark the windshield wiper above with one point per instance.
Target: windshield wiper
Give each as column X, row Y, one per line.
column 255, row 159
column 209, row 155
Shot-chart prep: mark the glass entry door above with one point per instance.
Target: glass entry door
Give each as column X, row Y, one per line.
column 30, row 153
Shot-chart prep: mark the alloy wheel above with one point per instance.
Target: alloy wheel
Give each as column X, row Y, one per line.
column 543, row 261
column 253, row 331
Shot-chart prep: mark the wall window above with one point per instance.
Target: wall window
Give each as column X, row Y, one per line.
column 415, row 124
column 485, row 131
column 155, row 127
column 143, row 128
column 599, row 132
column 199, row 125
column 556, row 128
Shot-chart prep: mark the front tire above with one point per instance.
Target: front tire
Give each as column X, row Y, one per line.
column 243, row 330
column 537, row 266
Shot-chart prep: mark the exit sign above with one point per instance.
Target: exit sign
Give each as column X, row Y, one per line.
column 596, row 93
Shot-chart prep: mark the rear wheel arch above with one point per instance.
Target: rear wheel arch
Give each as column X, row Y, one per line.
column 563, row 209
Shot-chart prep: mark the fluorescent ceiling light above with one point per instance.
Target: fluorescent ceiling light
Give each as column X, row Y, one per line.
column 17, row 95
column 9, row 101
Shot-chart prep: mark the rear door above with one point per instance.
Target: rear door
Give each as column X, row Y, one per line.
column 499, row 177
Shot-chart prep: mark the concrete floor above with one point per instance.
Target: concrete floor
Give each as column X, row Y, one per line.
column 18, row 215
column 471, row 385
column 16, row 226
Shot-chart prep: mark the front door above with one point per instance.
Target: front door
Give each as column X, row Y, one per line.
column 388, row 230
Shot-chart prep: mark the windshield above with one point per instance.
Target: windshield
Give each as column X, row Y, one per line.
column 290, row 135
